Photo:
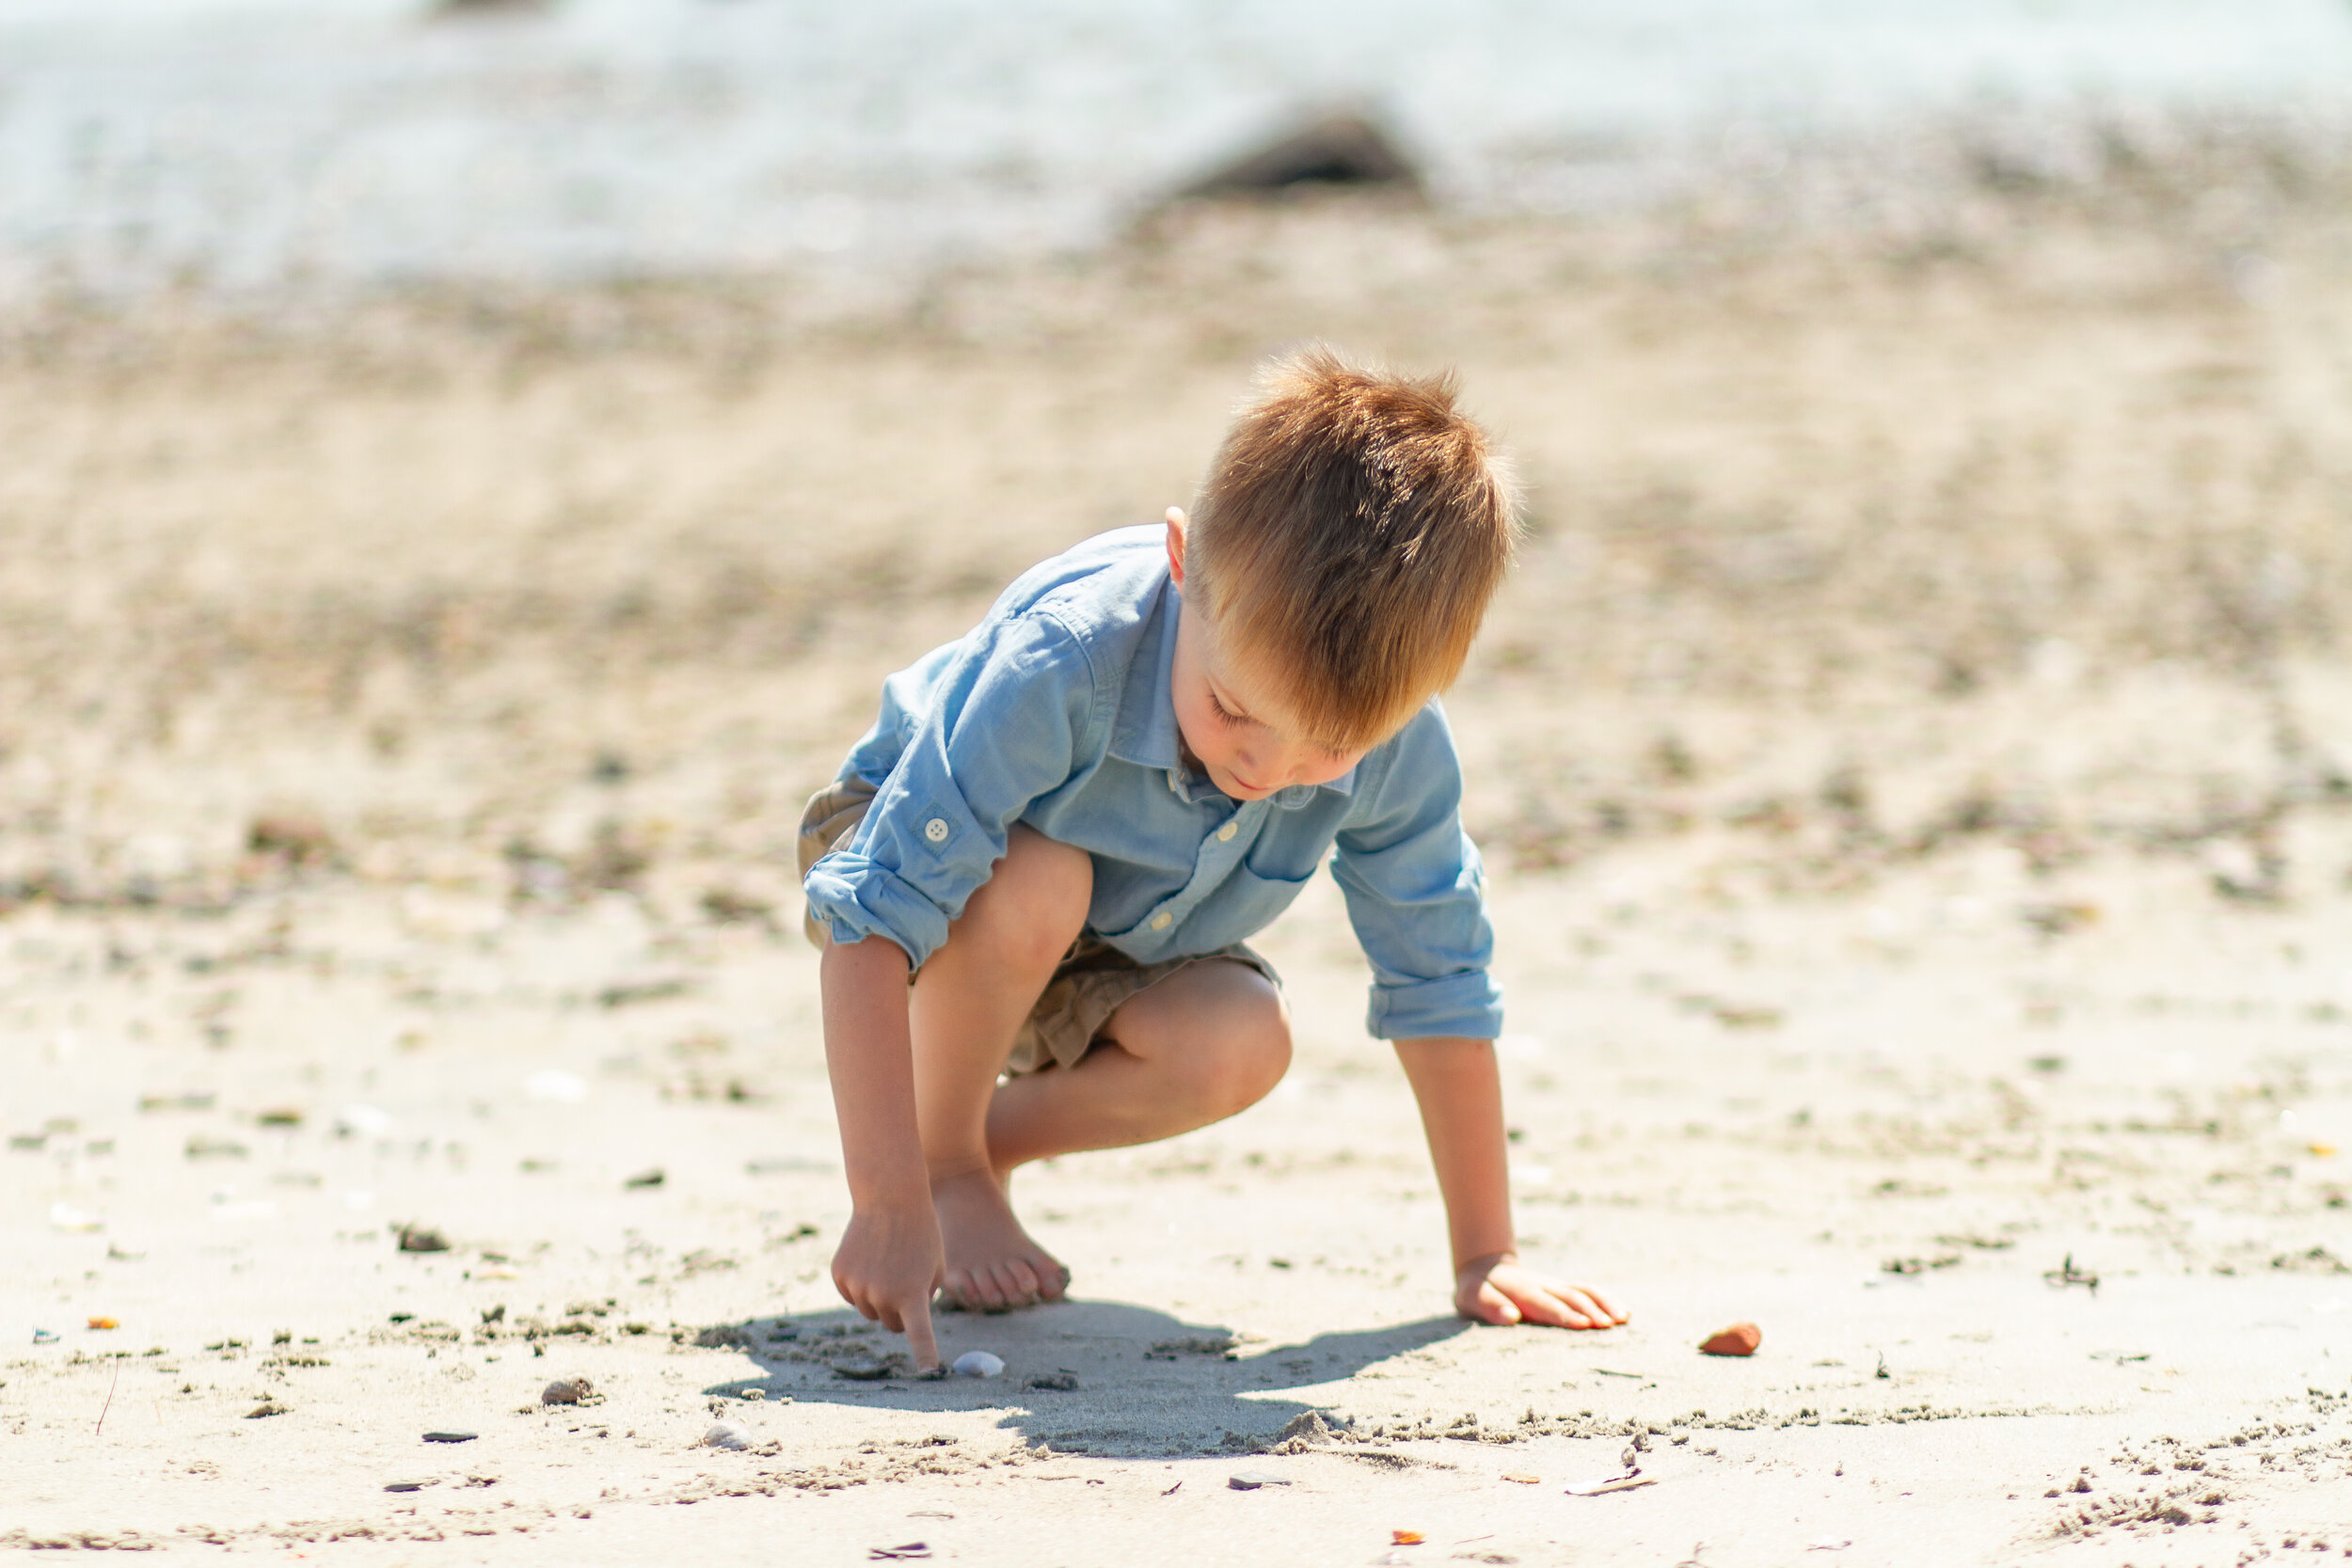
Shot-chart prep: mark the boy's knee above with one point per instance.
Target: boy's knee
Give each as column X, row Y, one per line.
column 1034, row 902
column 1242, row 1062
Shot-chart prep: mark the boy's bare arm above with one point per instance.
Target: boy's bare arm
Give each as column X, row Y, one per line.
column 889, row 1262
column 1460, row 1091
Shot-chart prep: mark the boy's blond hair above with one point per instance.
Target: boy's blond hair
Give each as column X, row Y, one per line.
column 1350, row 531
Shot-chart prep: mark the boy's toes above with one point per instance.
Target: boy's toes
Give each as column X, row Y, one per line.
column 1018, row 1281
column 973, row 1292
column 1006, row 1286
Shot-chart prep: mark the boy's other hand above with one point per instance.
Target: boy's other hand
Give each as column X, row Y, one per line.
column 1500, row 1289
column 887, row 1266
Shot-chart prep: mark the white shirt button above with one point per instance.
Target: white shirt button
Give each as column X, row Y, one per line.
column 936, row 830
column 1161, row 921
column 1225, row 834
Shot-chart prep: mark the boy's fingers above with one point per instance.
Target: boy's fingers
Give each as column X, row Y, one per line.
column 1605, row 1309
column 1580, row 1307
column 1489, row 1306
column 1553, row 1306
column 1599, row 1309
column 1535, row 1299
column 919, row 1337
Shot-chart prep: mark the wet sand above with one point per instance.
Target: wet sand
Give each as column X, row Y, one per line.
column 1911, row 762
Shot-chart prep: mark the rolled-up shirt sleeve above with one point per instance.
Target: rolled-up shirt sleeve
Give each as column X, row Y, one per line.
column 1010, row 721
column 1416, row 895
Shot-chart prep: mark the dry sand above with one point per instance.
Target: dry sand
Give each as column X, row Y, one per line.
column 1911, row 762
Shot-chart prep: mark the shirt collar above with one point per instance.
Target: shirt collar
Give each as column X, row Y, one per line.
column 1145, row 731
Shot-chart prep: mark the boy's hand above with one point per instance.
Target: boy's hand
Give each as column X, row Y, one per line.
column 887, row 1266
column 1499, row 1288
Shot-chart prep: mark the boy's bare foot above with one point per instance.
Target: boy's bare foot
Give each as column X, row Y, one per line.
column 992, row 1265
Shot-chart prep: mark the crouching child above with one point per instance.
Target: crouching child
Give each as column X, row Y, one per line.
column 1035, row 879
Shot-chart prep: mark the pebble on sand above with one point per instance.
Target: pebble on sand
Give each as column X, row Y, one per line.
column 1249, row 1480
column 422, row 1238
column 1739, row 1339
column 726, row 1434
column 294, row 836
column 451, row 1437
column 979, row 1363
column 567, row 1391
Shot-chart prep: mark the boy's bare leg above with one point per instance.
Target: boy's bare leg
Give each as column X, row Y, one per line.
column 967, row 1005
column 1207, row 1041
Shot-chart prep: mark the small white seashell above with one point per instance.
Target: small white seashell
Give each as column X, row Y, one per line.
column 979, row 1363
column 727, row 1434
column 66, row 1217
column 361, row 1121
column 555, row 1085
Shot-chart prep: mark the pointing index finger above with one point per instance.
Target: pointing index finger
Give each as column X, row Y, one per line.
column 920, row 1337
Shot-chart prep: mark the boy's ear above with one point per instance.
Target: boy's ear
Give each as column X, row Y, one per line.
column 1176, row 545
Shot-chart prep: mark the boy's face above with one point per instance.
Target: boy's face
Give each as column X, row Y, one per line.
column 1234, row 723
column 1230, row 708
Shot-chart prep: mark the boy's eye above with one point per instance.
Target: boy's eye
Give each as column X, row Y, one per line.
column 1223, row 713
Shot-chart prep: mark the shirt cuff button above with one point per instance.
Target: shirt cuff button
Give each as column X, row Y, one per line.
column 1160, row 921
column 936, row 830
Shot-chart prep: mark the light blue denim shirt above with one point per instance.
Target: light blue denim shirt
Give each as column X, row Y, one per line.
column 1055, row 711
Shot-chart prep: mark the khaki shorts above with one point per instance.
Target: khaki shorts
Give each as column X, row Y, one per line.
column 1092, row 981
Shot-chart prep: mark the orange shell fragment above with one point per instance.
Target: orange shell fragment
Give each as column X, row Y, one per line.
column 1404, row 1538
column 1739, row 1339
column 103, row 1323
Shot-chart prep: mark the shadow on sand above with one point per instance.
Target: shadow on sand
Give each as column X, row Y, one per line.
column 1084, row 1376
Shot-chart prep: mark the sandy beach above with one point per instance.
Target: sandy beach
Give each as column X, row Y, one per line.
column 1911, row 762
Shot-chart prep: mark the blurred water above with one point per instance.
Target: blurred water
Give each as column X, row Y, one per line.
column 251, row 143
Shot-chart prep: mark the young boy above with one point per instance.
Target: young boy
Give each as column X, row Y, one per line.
column 1065, row 825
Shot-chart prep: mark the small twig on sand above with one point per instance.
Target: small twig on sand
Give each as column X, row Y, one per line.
column 110, row 1401
column 2067, row 1274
